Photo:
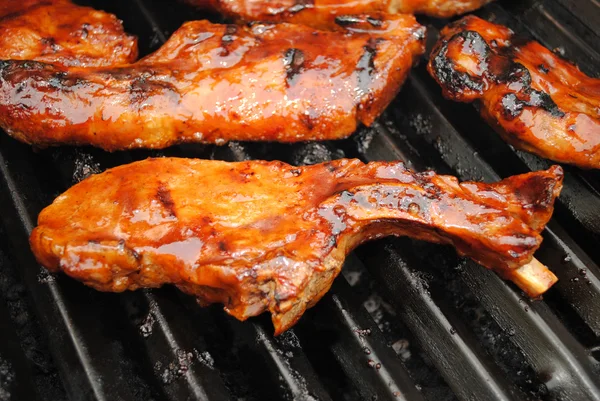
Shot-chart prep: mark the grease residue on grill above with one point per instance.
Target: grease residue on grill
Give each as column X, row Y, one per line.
column 176, row 369
column 420, row 123
column 7, row 378
column 147, row 325
column 85, row 165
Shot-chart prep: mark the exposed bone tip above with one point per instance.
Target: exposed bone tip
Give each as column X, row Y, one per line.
column 534, row 278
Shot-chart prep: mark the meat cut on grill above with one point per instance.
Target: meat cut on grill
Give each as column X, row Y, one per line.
column 533, row 98
column 59, row 32
column 260, row 236
column 314, row 12
column 213, row 83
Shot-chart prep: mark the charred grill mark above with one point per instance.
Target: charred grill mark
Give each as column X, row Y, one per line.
column 58, row 81
column 544, row 101
column 163, row 195
column 308, row 119
column 347, row 20
column 145, row 85
column 513, row 103
column 512, row 106
column 293, row 60
column 227, row 39
column 350, row 20
column 139, row 88
column 365, row 67
column 377, row 23
column 445, row 68
column 300, row 5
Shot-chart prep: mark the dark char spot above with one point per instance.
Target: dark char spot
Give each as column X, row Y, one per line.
column 347, row 20
column 293, row 60
column 163, row 195
column 300, row 5
column 516, row 73
column 51, row 43
column 58, row 81
column 227, row 39
column 512, row 106
column 85, row 28
column 366, row 66
column 445, row 69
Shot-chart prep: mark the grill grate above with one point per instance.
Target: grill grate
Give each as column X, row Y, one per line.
column 407, row 320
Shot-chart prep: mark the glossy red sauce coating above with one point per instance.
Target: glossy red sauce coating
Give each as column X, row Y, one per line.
column 213, row 83
column 260, row 236
column 533, row 98
column 62, row 33
column 316, row 12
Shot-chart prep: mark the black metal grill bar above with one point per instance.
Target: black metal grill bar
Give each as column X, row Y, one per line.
column 70, row 333
column 15, row 373
column 450, row 345
column 289, row 365
column 181, row 360
column 557, row 28
column 360, row 349
column 552, row 351
column 171, row 348
column 587, row 11
column 294, row 371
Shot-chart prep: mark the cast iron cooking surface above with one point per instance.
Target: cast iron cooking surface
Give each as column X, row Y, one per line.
column 405, row 321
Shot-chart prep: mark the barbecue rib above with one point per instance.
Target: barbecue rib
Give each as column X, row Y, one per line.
column 260, row 236
column 59, row 32
column 535, row 100
column 213, row 83
column 315, row 12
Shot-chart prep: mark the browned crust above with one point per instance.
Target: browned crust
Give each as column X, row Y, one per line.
column 533, row 98
column 260, row 236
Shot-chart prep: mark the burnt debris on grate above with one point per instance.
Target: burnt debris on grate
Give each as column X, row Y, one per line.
column 407, row 320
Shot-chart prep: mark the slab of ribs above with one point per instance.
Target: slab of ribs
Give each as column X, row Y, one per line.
column 208, row 83
column 533, row 98
column 267, row 236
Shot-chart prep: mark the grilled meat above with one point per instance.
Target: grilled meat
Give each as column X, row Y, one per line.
column 214, row 83
column 260, row 236
column 59, row 32
column 316, row 12
column 534, row 99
